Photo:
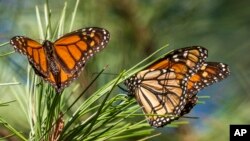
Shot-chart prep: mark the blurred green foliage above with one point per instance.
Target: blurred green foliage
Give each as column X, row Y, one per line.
column 137, row 29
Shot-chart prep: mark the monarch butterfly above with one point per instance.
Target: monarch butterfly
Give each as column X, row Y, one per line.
column 167, row 88
column 61, row 62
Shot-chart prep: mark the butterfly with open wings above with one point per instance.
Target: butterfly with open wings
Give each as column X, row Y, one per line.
column 60, row 62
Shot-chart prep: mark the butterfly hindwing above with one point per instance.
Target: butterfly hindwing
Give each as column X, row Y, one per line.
column 64, row 77
column 191, row 102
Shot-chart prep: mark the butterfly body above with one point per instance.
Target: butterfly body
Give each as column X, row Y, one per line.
column 61, row 62
column 51, row 63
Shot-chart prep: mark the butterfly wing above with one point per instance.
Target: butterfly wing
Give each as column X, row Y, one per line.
column 34, row 51
column 191, row 102
column 74, row 49
column 185, row 60
column 160, row 93
column 209, row 73
column 63, row 80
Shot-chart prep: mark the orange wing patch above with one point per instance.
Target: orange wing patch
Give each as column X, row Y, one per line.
column 75, row 48
column 82, row 45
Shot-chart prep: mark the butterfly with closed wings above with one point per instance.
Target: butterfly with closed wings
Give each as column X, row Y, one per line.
column 167, row 88
column 60, row 62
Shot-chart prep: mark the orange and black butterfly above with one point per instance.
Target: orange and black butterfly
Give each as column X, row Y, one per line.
column 167, row 88
column 60, row 62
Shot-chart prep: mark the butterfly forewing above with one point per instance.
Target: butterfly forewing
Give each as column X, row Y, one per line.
column 74, row 49
column 185, row 60
column 209, row 73
column 34, row 51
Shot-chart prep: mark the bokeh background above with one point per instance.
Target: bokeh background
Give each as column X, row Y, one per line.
column 138, row 28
